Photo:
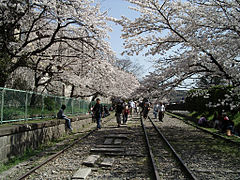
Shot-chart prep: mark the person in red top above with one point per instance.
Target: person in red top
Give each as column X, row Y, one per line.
column 227, row 125
column 126, row 112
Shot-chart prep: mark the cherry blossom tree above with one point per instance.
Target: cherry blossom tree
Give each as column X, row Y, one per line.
column 30, row 28
column 52, row 43
column 129, row 65
column 100, row 77
column 188, row 39
column 86, row 76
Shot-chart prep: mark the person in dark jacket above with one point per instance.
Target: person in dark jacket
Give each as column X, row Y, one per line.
column 106, row 111
column 98, row 112
column 119, row 111
column 60, row 115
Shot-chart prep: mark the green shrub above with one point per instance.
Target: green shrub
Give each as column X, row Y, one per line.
column 11, row 113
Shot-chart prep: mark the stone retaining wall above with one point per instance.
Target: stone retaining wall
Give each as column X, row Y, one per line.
column 15, row 139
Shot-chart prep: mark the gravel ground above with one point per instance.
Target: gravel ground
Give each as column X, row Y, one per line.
column 131, row 164
column 167, row 166
column 206, row 156
column 33, row 161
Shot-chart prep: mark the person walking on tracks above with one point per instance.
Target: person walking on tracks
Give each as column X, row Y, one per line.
column 132, row 106
column 146, row 109
column 161, row 112
column 119, row 111
column 98, row 112
column 60, row 115
column 126, row 112
column 155, row 110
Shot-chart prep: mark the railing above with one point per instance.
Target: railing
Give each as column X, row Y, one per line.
column 17, row 105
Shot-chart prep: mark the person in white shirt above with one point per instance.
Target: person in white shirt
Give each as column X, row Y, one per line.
column 132, row 107
column 155, row 110
column 161, row 112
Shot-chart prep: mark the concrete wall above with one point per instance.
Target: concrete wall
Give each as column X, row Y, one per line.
column 15, row 139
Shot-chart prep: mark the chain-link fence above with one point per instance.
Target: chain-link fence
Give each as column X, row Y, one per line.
column 17, row 105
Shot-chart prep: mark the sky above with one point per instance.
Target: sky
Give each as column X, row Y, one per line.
column 116, row 9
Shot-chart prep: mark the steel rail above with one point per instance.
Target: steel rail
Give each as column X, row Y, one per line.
column 57, row 154
column 150, row 153
column 182, row 163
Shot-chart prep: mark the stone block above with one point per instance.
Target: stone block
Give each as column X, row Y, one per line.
column 82, row 173
column 109, row 146
column 91, row 160
column 107, row 162
column 118, row 141
column 107, row 150
column 108, row 141
column 119, row 136
column 3, row 141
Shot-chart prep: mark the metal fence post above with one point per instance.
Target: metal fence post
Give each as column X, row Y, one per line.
column 72, row 104
column 79, row 106
column 26, row 103
column 84, row 107
column 55, row 106
column 2, row 103
column 42, row 105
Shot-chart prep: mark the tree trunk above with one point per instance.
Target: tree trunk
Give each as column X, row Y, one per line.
column 72, row 91
column 94, row 96
column 3, row 79
column 33, row 98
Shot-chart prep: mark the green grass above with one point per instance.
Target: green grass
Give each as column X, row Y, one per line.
column 33, row 152
column 236, row 120
column 14, row 161
column 17, row 113
column 36, row 120
column 225, row 149
column 209, row 116
column 193, row 114
column 26, row 122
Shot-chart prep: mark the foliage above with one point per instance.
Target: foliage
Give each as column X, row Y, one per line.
column 49, row 103
column 55, row 43
column 29, row 153
column 188, row 39
column 218, row 98
column 13, row 113
column 19, row 105
column 130, row 66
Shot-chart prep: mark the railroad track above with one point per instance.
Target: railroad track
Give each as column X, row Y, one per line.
column 131, row 162
column 55, row 155
column 162, row 154
column 126, row 151
column 205, row 155
column 220, row 136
